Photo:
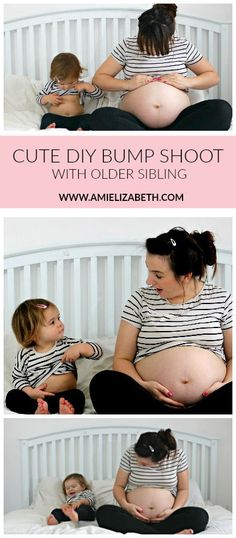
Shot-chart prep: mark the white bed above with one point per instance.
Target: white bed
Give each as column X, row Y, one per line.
column 96, row 453
column 90, row 285
column 79, row 31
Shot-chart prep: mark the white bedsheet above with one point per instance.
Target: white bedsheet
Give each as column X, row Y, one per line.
column 29, row 522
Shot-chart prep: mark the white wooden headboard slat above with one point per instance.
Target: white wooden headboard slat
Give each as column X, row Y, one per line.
column 89, row 283
column 96, row 453
column 93, row 33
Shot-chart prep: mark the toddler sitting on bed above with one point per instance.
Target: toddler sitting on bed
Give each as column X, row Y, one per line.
column 64, row 95
column 80, row 501
column 45, row 375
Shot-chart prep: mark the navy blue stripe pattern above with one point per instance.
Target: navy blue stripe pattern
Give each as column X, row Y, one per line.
column 197, row 322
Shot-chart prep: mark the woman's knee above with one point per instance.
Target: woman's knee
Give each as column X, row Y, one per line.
column 221, row 111
column 105, row 514
column 199, row 518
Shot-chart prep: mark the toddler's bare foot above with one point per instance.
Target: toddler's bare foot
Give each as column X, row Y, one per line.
column 65, row 407
column 71, row 513
column 42, row 408
column 186, row 531
column 51, row 520
column 51, row 126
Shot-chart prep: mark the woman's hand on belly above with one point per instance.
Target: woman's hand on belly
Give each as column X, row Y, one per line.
column 176, row 80
column 159, row 392
column 136, row 511
column 213, row 388
column 137, row 81
column 163, row 515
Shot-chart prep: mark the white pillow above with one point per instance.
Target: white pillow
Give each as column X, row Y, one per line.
column 20, row 94
column 102, row 490
column 195, row 496
column 49, row 495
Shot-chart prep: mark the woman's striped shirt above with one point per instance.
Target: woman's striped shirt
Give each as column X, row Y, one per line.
column 33, row 368
column 163, row 475
column 182, row 55
column 197, row 322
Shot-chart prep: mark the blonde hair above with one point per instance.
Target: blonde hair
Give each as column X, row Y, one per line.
column 27, row 319
column 64, row 65
column 79, row 478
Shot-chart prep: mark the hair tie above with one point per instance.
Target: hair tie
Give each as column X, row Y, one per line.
column 151, row 448
column 173, row 242
column 41, row 305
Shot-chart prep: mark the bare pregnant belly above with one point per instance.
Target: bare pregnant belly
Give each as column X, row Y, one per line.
column 186, row 371
column 156, row 104
column 152, row 500
column 70, row 106
column 58, row 383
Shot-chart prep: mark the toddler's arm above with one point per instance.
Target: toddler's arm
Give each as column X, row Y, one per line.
column 90, row 89
column 89, row 350
column 45, row 97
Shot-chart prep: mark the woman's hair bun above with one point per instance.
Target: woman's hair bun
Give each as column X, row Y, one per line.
column 206, row 242
column 165, row 10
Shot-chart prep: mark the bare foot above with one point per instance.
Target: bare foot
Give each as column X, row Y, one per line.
column 42, row 408
column 51, row 126
column 71, row 513
column 51, row 520
column 65, row 407
column 186, row 531
column 80, row 129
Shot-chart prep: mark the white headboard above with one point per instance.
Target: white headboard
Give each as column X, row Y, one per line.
column 91, row 33
column 96, row 453
column 89, row 283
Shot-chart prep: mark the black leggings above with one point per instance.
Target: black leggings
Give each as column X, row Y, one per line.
column 114, row 393
column 72, row 123
column 85, row 513
column 117, row 519
column 20, row 402
column 210, row 115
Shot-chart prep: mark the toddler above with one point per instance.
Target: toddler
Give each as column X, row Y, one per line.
column 45, row 375
column 80, row 501
column 64, row 95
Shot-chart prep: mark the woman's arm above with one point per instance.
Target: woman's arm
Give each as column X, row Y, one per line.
column 105, row 79
column 125, row 351
column 120, row 495
column 227, row 334
column 182, row 490
column 206, row 77
column 181, row 496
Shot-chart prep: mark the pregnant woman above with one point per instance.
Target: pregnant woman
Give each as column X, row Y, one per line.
column 155, row 87
column 151, row 488
column 174, row 346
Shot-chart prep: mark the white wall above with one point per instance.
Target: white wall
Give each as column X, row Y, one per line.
column 19, row 428
column 215, row 12
column 23, row 234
